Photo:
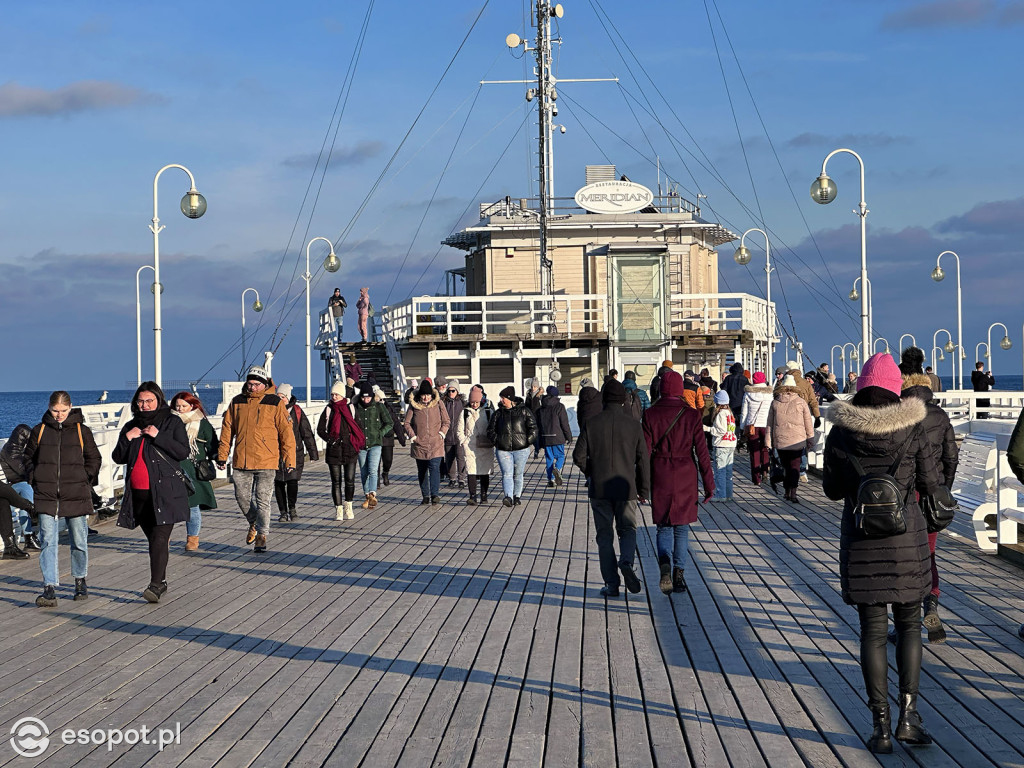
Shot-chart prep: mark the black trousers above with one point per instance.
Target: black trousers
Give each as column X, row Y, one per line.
column 479, row 481
column 6, row 522
column 348, row 471
column 874, row 660
column 387, row 458
column 287, row 494
column 159, row 536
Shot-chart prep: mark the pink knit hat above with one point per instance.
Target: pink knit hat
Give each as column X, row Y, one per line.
column 476, row 394
column 880, row 371
column 759, row 377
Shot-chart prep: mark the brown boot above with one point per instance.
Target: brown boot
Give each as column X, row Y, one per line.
column 191, row 543
column 371, row 500
column 366, row 501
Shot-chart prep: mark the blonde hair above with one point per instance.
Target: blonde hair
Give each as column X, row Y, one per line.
column 60, row 397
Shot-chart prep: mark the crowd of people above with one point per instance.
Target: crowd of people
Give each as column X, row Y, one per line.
column 670, row 446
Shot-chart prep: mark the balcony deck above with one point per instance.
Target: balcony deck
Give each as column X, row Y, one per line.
column 458, row 636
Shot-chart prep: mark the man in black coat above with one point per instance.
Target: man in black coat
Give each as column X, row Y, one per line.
column 613, row 454
column 982, row 381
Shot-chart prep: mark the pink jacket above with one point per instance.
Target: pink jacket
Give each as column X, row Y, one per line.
column 790, row 426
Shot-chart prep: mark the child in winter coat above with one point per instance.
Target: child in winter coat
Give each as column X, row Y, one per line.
column 723, row 433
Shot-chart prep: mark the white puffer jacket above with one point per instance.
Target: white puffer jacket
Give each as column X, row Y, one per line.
column 757, row 401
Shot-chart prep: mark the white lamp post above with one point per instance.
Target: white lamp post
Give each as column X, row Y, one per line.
column 332, row 264
column 977, row 350
column 1004, row 344
column 138, row 321
column 832, row 358
column 881, row 338
column 940, row 358
column 855, row 294
column 193, row 205
column 852, row 357
column 912, row 339
column 824, row 191
column 742, row 257
column 950, row 347
column 937, row 276
column 257, row 306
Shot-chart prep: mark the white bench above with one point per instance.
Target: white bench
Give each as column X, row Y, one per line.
column 1010, row 516
column 975, row 487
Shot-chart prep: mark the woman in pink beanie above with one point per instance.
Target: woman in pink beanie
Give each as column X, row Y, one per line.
column 757, row 402
column 876, row 427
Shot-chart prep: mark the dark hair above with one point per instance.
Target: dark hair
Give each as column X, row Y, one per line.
column 613, row 372
column 152, row 387
column 59, row 397
column 631, row 375
column 979, row 365
column 927, row 368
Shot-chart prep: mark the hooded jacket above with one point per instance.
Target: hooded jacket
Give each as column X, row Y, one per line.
column 512, row 429
column 261, row 430
column 677, row 455
column 894, row 569
column 588, row 405
column 427, row 425
column 804, row 388
column 61, row 469
column 471, row 429
column 939, row 435
column 691, row 394
column 305, row 443
column 454, row 406
column 374, row 420
column 735, row 384
column 12, row 455
column 553, row 422
column 632, row 390
column 789, row 421
column 340, row 451
column 757, row 402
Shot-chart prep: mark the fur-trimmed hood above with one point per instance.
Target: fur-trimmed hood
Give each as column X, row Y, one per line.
column 435, row 402
column 916, row 380
column 877, row 420
column 756, row 389
column 783, row 390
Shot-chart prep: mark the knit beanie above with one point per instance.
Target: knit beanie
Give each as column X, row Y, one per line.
column 666, row 363
column 780, row 370
column 365, row 390
column 425, row 388
column 911, row 361
column 476, row 394
column 613, row 392
column 378, row 393
column 792, row 365
column 721, row 397
column 586, row 381
column 454, row 385
column 552, row 391
column 534, row 383
column 508, row 392
column 880, row 371
column 259, row 374
column 338, row 388
column 285, row 391
column 759, row 377
column 789, row 381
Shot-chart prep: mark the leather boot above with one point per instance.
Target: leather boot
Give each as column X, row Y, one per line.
column 371, row 500
column 81, row 591
column 910, row 729
column 932, row 622
column 11, row 550
column 191, row 543
column 349, row 514
column 385, row 479
column 881, row 737
column 678, row 581
column 666, row 576
column 32, row 542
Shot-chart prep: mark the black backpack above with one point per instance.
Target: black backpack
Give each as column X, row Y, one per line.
column 633, row 405
column 880, row 500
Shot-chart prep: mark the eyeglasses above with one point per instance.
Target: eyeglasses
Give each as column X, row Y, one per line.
column 146, row 401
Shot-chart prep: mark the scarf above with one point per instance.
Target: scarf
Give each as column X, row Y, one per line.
column 339, row 411
column 193, row 419
column 145, row 419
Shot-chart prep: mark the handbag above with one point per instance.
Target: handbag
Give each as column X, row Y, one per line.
column 205, row 470
column 778, row 474
column 939, row 507
column 189, row 485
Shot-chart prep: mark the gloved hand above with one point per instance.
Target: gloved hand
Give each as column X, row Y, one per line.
column 817, row 422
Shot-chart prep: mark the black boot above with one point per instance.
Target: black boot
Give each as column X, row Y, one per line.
column 910, row 729
column 426, row 500
column 471, row 501
column 32, row 543
column 881, row 738
column 49, row 597
column 11, row 550
column 385, row 479
column 81, row 591
column 283, row 518
column 678, row 582
column 932, row 622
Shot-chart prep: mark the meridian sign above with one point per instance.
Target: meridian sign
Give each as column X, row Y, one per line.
column 614, row 197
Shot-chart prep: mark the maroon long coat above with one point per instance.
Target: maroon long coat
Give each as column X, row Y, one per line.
column 674, row 488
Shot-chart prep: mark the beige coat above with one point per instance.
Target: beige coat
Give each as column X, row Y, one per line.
column 805, row 389
column 790, row 426
column 472, row 435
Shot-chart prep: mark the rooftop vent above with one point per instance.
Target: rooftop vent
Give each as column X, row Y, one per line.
column 596, row 173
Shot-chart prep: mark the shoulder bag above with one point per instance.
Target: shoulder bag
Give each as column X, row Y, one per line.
column 176, row 470
column 939, row 507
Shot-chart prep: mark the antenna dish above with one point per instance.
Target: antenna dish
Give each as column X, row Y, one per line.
column 513, row 40
column 558, row 11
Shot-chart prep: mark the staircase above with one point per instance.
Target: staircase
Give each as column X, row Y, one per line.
column 372, row 356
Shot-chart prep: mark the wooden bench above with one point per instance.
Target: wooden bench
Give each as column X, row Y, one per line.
column 975, row 487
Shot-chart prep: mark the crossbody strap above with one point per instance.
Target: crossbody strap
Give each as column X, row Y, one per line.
column 661, row 439
column 859, row 468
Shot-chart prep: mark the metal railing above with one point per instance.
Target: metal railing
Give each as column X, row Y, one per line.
column 562, row 206
column 709, row 312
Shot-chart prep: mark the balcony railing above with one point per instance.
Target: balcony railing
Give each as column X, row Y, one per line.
column 711, row 312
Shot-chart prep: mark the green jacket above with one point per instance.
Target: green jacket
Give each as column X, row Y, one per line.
column 1015, row 450
column 206, row 445
column 375, row 422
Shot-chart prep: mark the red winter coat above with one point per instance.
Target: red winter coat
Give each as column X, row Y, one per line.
column 674, row 488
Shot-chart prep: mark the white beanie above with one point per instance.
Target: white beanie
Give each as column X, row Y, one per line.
column 285, row 391
column 452, row 384
column 789, row 381
column 338, row 388
column 793, row 365
column 256, row 372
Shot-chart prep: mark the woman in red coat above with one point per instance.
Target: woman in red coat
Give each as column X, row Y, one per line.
column 674, row 434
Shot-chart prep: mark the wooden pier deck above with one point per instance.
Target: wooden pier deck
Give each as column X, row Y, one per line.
column 458, row 636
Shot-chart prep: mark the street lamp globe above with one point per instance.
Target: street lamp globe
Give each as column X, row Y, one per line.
column 949, row 346
column 193, row 204
column 1006, row 343
column 941, row 356
column 332, row 263
column 153, row 288
column 742, row 256
column 823, row 190
column 938, row 274
column 257, row 306
column 854, row 294
column 855, row 355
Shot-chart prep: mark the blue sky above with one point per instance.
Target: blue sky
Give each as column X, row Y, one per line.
column 95, row 98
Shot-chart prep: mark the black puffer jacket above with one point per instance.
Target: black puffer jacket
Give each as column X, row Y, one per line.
column 162, row 455
column 513, row 429
column 896, row 569
column 938, row 430
column 735, row 384
column 588, row 404
column 554, row 422
column 63, row 470
column 12, row 455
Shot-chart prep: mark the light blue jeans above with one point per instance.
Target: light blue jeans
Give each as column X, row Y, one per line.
column 195, row 521
column 78, row 527
column 512, row 464
column 26, row 491
column 369, row 461
column 674, row 544
column 723, row 472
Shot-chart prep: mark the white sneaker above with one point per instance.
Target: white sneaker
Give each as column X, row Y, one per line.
column 349, row 514
column 339, row 512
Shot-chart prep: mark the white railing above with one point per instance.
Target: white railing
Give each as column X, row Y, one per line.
column 710, row 312
column 524, row 315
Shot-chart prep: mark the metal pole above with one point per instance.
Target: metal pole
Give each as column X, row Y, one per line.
column 991, row 355
column 307, row 278
column 244, row 358
column 138, row 323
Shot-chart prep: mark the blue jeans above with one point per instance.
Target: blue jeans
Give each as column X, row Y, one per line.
column 554, row 458
column 78, row 527
column 195, row 522
column 723, row 472
column 512, row 464
column 674, row 544
column 369, row 460
column 26, row 491
column 429, row 472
